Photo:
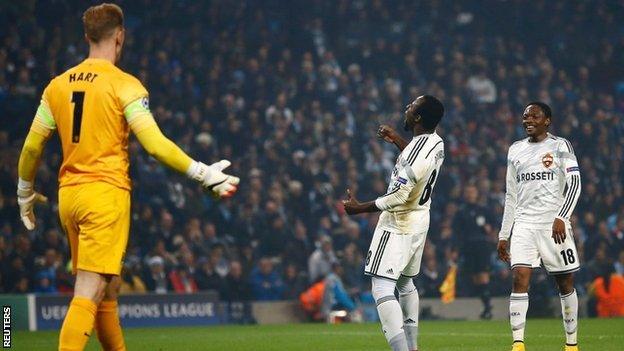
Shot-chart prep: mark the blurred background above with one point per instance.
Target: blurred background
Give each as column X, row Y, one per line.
column 293, row 92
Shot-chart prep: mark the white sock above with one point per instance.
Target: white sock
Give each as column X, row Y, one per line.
column 518, row 306
column 390, row 313
column 410, row 305
column 392, row 324
column 569, row 310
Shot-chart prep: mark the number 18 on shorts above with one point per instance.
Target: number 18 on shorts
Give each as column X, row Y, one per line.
column 530, row 246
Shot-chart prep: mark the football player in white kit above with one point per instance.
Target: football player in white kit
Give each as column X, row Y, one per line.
column 397, row 245
column 543, row 186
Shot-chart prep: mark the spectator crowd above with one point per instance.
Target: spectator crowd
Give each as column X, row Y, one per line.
column 293, row 92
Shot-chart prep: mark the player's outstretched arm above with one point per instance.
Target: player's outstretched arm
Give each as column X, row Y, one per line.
column 389, row 135
column 352, row 206
column 396, row 197
column 156, row 144
column 402, row 187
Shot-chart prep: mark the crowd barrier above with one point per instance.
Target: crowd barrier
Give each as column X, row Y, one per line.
column 46, row 312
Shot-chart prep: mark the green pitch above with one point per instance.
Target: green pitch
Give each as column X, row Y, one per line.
column 541, row 335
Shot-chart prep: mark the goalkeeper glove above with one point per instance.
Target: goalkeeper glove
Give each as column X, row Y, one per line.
column 212, row 178
column 26, row 199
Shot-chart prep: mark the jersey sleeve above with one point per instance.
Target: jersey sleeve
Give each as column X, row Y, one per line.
column 129, row 90
column 572, row 191
column 402, row 186
column 511, row 198
column 134, row 99
column 41, row 129
column 44, row 123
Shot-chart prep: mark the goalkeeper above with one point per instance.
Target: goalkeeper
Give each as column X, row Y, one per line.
column 94, row 106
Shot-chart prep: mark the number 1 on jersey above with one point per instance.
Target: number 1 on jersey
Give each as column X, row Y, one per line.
column 78, row 100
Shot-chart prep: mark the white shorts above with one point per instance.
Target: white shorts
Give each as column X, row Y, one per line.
column 391, row 255
column 529, row 246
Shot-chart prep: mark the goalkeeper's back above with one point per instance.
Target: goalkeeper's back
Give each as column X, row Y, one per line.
column 86, row 104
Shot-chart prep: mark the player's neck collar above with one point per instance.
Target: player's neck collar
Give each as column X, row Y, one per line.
column 548, row 135
column 423, row 134
column 98, row 60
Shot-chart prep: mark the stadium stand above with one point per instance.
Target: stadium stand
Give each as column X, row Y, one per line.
column 293, row 97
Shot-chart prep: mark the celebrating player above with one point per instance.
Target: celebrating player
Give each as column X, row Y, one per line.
column 397, row 246
column 543, row 186
column 93, row 106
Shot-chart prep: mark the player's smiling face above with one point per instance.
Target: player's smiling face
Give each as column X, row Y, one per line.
column 535, row 121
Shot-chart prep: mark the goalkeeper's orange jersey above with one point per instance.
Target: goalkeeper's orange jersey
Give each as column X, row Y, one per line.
column 86, row 105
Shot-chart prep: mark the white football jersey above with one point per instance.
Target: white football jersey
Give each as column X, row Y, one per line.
column 405, row 206
column 543, row 182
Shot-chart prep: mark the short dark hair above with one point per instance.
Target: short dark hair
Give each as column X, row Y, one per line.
column 100, row 21
column 431, row 111
column 542, row 105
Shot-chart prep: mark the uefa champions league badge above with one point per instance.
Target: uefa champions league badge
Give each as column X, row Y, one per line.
column 572, row 169
column 145, row 102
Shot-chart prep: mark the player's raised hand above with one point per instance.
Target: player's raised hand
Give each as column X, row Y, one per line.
column 26, row 199
column 351, row 205
column 558, row 231
column 503, row 254
column 387, row 133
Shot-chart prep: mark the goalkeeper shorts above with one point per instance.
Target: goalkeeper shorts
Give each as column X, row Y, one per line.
column 96, row 219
